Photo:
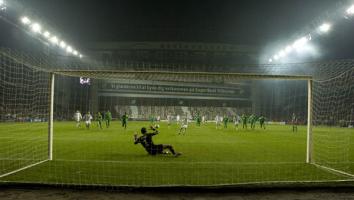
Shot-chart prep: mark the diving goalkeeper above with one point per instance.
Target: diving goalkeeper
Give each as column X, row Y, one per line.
column 146, row 141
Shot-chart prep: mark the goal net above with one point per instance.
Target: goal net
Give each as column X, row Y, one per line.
column 222, row 144
column 23, row 115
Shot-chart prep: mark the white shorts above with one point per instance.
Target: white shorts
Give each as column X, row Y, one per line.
column 185, row 126
column 88, row 122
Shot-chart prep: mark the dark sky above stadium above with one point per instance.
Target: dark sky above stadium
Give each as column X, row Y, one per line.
column 252, row 22
column 247, row 21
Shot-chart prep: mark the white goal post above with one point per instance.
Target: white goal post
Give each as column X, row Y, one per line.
column 127, row 74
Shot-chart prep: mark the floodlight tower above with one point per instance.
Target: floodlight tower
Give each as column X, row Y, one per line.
column 2, row 5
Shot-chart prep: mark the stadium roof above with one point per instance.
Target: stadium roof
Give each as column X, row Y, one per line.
column 244, row 22
column 227, row 21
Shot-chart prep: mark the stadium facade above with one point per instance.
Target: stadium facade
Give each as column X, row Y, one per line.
column 143, row 98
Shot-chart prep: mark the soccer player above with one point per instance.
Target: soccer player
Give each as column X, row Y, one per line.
column 226, row 121
column 294, row 122
column 252, row 121
column 244, row 121
column 99, row 120
column 261, row 122
column 146, row 141
column 178, row 118
column 152, row 119
column 236, row 121
column 78, row 118
column 203, row 119
column 88, row 118
column 124, row 120
column 217, row 121
column 169, row 120
column 198, row 119
column 108, row 118
column 184, row 126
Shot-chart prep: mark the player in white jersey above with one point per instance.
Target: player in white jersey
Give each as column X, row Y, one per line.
column 169, row 120
column 184, row 126
column 203, row 119
column 178, row 118
column 88, row 117
column 78, row 118
column 237, row 121
column 217, row 121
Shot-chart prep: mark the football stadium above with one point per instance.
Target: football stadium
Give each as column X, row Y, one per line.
column 175, row 111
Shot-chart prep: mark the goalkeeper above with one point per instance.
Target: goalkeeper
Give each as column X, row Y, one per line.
column 153, row 149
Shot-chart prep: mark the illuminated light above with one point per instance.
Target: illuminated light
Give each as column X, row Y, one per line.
column 25, row 20
column 288, row 49
column 69, row 49
column 324, row 28
column 46, row 34
column 36, row 28
column 282, row 53
column 270, row 60
column 75, row 53
column 2, row 5
column 80, row 55
column 54, row 40
column 63, row 44
column 300, row 42
column 276, row 57
column 350, row 10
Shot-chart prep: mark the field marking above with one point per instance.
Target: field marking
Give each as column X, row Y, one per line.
column 182, row 162
column 334, row 171
column 254, row 183
column 23, row 168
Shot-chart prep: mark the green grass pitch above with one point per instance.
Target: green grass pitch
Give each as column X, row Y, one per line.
column 210, row 156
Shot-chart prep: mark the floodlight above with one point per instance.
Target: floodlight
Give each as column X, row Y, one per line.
column 2, row 5
column 75, row 53
column 80, row 55
column 276, row 57
column 288, row 49
column 46, row 34
column 63, row 44
column 282, row 53
column 69, row 49
column 300, row 42
column 54, row 40
column 350, row 10
column 36, row 28
column 270, row 60
column 25, row 20
column 324, row 28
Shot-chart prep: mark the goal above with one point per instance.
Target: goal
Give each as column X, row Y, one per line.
column 307, row 138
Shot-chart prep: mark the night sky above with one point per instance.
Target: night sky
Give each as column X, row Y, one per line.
column 250, row 22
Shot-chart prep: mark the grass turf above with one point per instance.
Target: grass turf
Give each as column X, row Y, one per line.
column 210, row 156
